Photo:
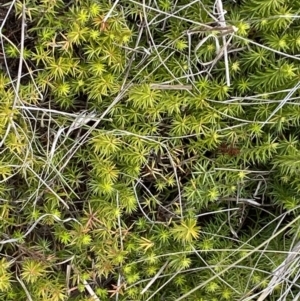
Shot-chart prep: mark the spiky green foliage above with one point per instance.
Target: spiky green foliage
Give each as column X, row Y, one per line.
column 141, row 161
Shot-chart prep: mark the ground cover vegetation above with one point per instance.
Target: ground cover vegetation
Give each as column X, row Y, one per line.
column 149, row 150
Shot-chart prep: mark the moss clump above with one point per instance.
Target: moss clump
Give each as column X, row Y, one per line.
column 149, row 151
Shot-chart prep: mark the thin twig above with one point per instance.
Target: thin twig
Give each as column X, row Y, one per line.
column 110, row 11
column 170, row 87
column 24, row 288
column 155, row 277
column 221, row 13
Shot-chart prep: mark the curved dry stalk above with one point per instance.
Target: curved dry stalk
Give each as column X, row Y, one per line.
column 282, row 272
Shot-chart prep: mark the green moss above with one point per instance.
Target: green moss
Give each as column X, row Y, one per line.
column 138, row 161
